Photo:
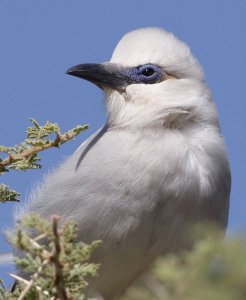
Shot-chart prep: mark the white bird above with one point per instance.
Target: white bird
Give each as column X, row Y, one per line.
column 158, row 166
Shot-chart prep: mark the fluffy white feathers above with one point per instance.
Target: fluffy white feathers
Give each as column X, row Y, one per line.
column 157, row 167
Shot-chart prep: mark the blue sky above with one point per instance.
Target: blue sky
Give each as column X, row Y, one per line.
column 41, row 39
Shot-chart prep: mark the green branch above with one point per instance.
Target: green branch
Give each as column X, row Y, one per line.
column 25, row 155
column 57, row 263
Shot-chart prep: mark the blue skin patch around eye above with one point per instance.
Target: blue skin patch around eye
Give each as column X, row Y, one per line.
column 116, row 76
column 146, row 74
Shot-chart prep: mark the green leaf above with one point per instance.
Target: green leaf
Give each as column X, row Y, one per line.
column 6, row 194
column 73, row 258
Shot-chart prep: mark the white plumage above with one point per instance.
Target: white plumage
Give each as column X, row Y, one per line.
column 156, row 167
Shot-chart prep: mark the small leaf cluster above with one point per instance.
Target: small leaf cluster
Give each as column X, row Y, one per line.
column 56, row 264
column 212, row 270
column 6, row 194
column 19, row 158
column 25, row 155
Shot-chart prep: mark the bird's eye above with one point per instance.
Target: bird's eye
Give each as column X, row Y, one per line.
column 148, row 72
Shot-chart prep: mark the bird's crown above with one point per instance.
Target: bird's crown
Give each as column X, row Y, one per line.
column 157, row 46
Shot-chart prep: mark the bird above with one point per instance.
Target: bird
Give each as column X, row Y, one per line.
column 156, row 168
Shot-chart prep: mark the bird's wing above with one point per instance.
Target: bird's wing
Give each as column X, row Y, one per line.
column 89, row 143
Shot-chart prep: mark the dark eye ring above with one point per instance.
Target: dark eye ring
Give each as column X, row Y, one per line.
column 148, row 74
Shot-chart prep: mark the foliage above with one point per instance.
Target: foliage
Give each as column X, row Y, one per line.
column 6, row 194
column 212, row 270
column 25, row 155
column 56, row 262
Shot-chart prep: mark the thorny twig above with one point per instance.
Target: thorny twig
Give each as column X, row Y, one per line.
column 49, row 258
column 26, row 282
column 59, row 280
column 60, row 139
column 32, row 281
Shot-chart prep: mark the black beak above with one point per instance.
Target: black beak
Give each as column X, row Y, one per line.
column 103, row 75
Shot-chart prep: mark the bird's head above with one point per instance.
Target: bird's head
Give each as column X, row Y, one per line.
column 152, row 79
